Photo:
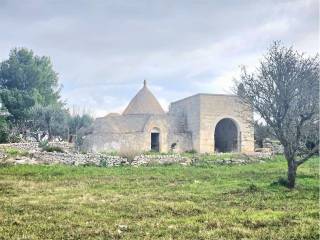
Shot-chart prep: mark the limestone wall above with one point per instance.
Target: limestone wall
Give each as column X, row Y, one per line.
column 34, row 146
column 138, row 141
column 182, row 141
column 217, row 107
column 161, row 123
column 186, row 114
column 114, row 142
column 199, row 115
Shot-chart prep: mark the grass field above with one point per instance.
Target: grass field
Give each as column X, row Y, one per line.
column 159, row 202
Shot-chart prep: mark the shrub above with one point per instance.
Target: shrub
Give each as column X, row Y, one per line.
column 103, row 162
column 281, row 181
column 14, row 137
column 49, row 148
column 14, row 152
column 192, row 151
column 129, row 153
column 43, row 144
column 4, row 130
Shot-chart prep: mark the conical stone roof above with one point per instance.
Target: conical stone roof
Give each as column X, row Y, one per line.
column 144, row 103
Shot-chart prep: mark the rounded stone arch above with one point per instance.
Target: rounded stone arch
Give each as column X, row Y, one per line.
column 156, row 124
column 227, row 135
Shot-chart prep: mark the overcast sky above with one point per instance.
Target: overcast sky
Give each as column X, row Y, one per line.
column 104, row 49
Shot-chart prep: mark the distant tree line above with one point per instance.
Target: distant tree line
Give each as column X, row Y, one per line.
column 31, row 102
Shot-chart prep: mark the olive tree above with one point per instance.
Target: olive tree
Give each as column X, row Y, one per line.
column 284, row 91
column 50, row 120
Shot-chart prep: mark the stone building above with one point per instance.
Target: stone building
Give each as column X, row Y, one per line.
column 203, row 122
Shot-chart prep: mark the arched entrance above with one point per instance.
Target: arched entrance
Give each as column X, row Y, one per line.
column 155, row 140
column 226, row 136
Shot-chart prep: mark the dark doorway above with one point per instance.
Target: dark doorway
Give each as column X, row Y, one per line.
column 226, row 136
column 155, row 146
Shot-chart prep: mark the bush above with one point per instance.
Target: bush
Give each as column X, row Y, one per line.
column 103, row 162
column 52, row 149
column 14, row 152
column 129, row 153
column 43, row 144
column 280, row 182
column 4, row 130
column 14, row 138
column 192, row 151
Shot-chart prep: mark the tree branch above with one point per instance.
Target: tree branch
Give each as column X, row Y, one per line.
column 310, row 154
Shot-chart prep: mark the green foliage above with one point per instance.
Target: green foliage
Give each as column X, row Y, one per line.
column 51, row 119
column 261, row 132
column 14, row 152
column 49, row 148
column 27, row 80
column 29, row 90
column 193, row 151
column 159, row 202
column 103, row 162
column 78, row 125
column 253, row 188
column 4, row 130
column 18, row 102
column 14, row 137
column 43, row 144
column 77, row 122
column 281, row 182
column 31, row 74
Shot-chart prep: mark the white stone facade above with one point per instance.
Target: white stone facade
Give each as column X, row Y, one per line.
column 202, row 113
column 205, row 123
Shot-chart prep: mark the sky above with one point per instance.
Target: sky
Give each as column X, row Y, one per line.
column 104, row 49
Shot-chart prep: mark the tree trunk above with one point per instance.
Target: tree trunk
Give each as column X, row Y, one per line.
column 49, row 132
column 292, row 170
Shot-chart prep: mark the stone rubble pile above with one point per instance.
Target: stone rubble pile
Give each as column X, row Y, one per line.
column 79, row 159
column 160, row 159
column 274, row 146
column 237, row 161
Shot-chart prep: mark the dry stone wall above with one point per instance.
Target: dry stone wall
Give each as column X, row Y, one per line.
column 160, row 159
column 70, row 157
column 34, row 146
column 33, row 155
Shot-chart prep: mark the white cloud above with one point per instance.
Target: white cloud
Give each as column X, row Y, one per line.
column 104, row 49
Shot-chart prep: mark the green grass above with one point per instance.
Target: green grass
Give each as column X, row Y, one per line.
column 160, row 202
column 15, row 152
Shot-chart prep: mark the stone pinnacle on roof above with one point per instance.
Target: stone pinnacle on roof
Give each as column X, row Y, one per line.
column 144, row 103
